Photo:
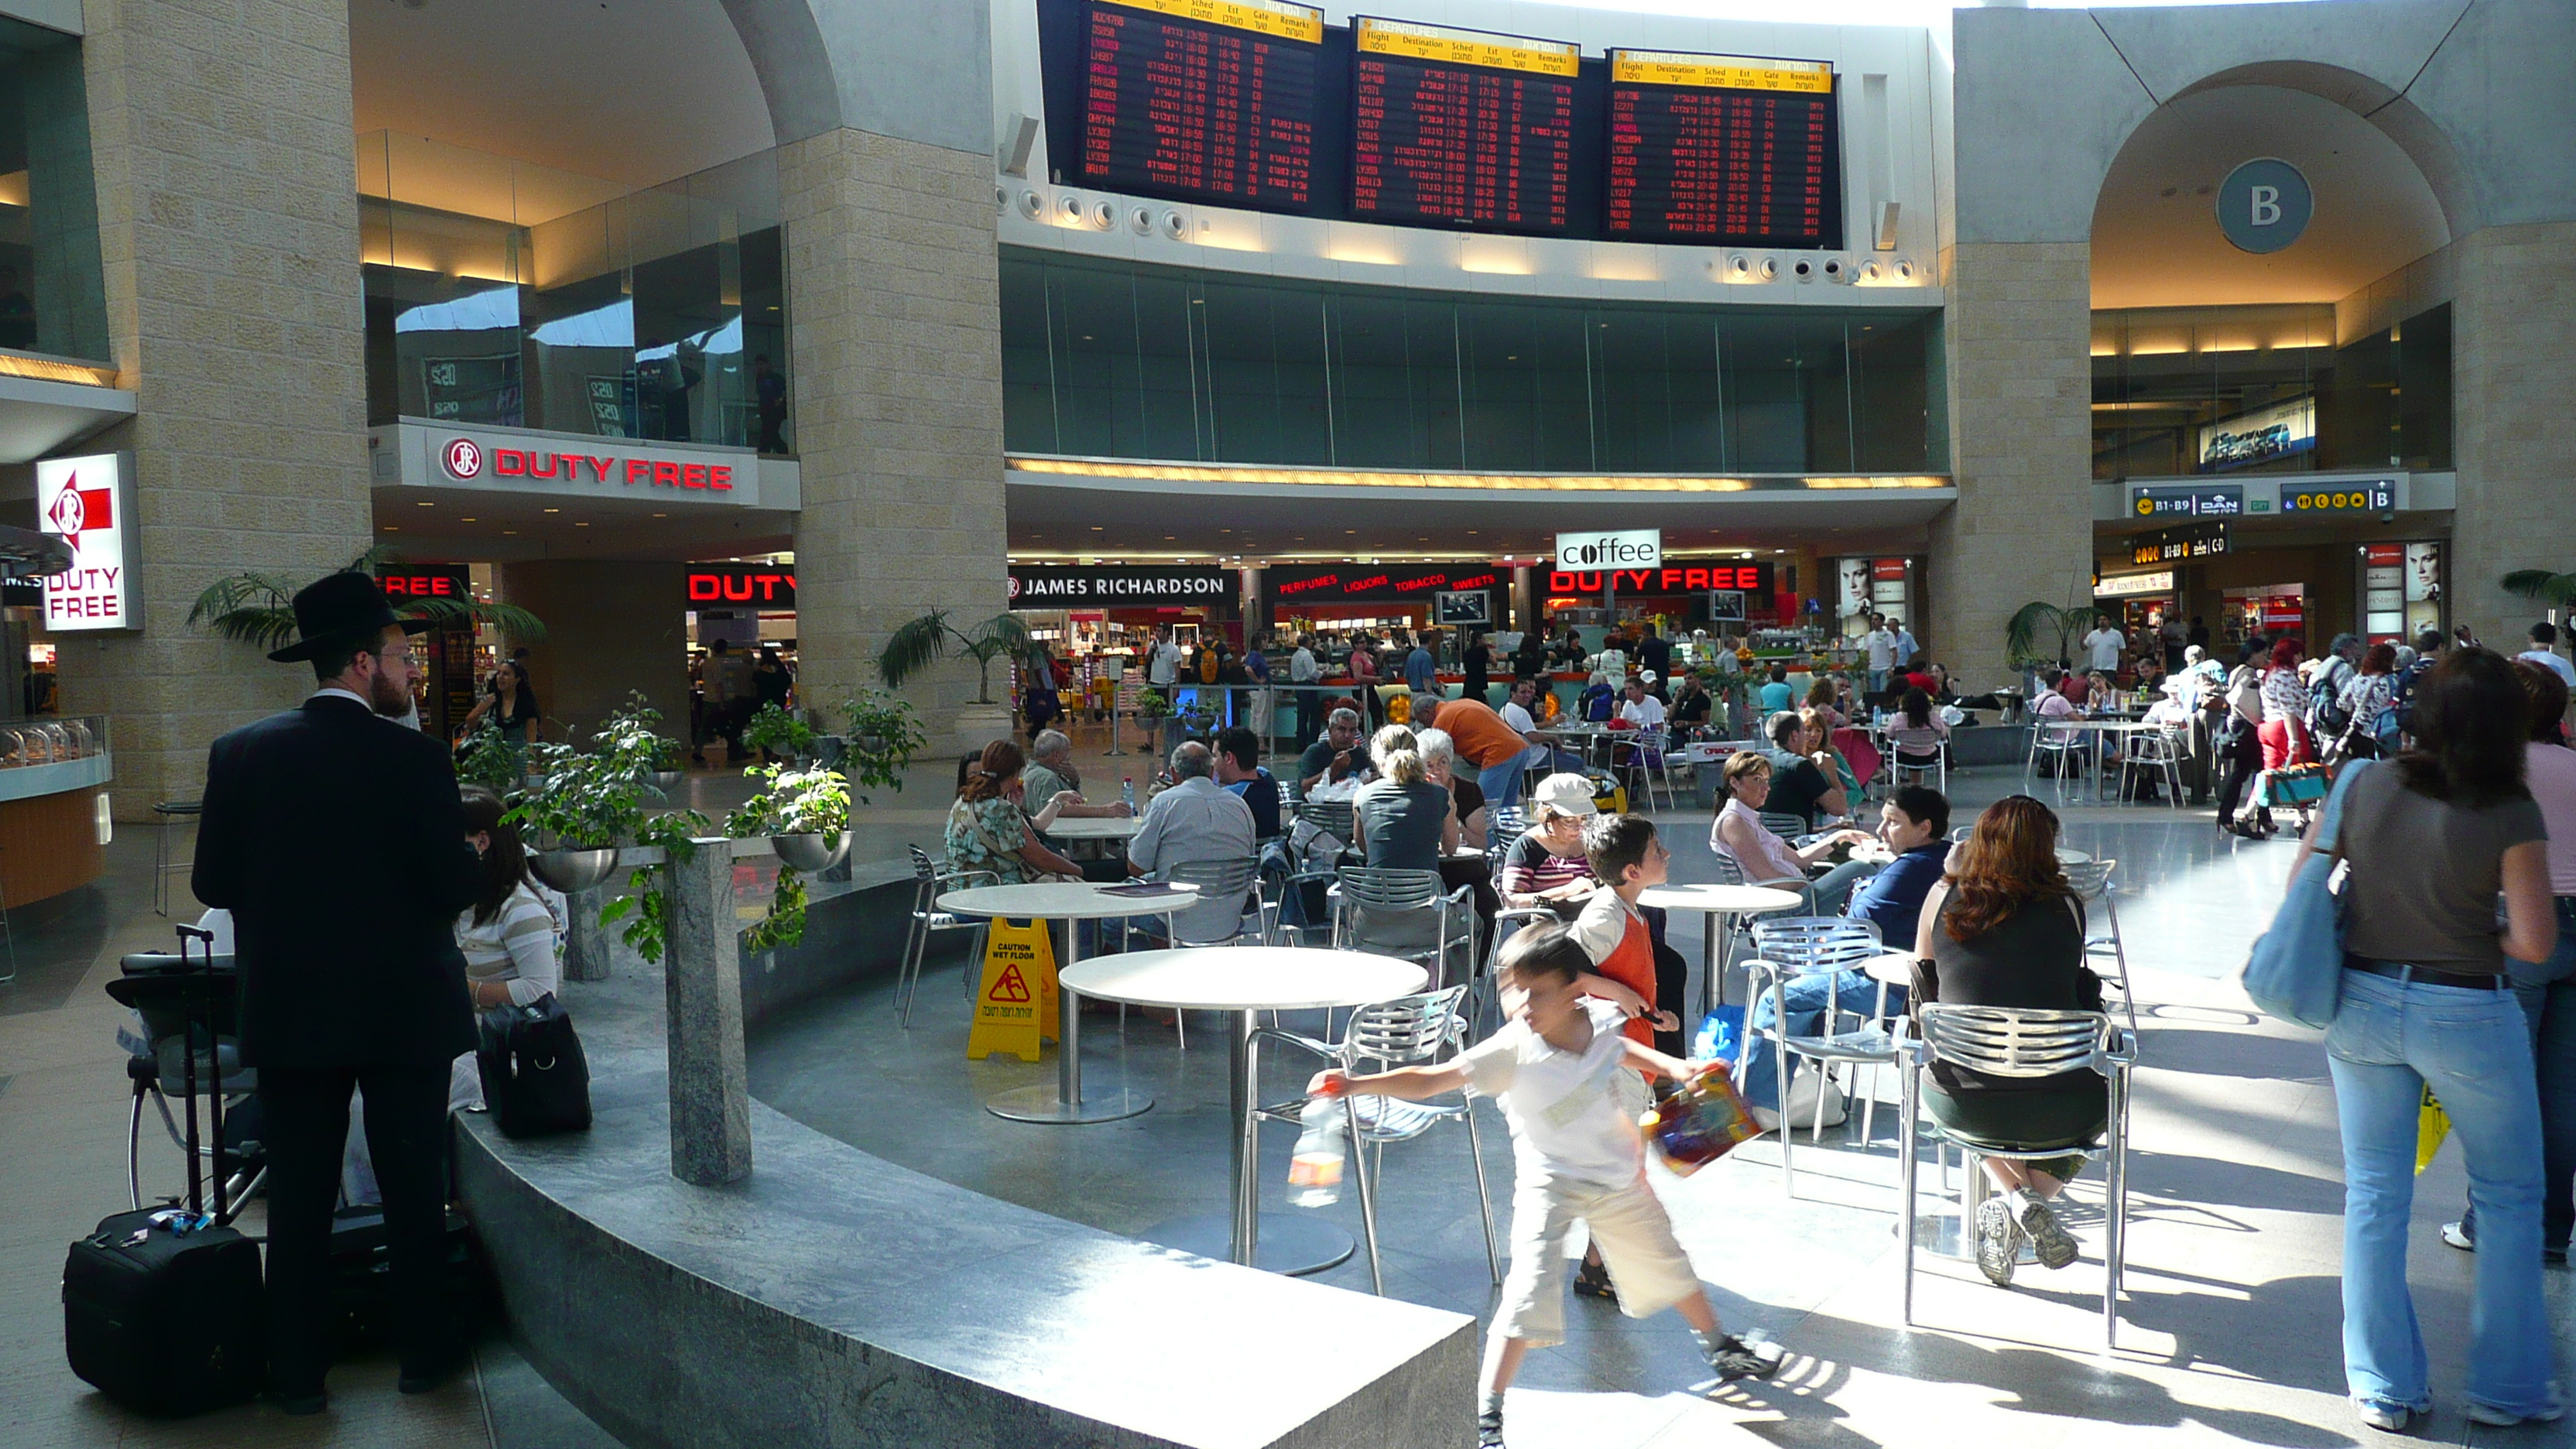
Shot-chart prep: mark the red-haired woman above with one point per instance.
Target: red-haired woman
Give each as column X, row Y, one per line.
column 2002, row 928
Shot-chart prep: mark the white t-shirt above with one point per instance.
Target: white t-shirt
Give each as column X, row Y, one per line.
column 1882, row 649
column 1564, row 1108
column 1645, row 714
column 1301, row 666
column 1162, row 663
column 2553, row 661
column 1517, row 717
column 2106, row 644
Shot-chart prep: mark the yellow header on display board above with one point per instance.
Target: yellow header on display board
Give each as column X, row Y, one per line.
column 1721, row 72
column 1443, row 46
column 1261, row 17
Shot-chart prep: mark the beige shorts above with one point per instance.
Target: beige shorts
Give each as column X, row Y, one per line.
column 1636, row 1240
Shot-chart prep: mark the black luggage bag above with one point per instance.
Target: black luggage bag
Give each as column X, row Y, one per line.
column 535, row 1079
column 163, row 1309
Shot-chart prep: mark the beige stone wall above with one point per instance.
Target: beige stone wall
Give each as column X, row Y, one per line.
column 896, row 329
column 2019, row 339
column 2513, row 380
column 228, row 225
column 613, row 628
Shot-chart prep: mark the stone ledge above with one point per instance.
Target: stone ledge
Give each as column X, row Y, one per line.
column 836, row 1298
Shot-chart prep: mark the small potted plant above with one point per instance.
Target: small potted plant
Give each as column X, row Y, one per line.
column 774, row 731
column 806, row 815
column 881, row 735
column 590, row 802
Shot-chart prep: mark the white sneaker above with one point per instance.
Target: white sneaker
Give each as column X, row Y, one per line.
column 2387, row 1418
column 2496, row 1418
column 2457, row 1235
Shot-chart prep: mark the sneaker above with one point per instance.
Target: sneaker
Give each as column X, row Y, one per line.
column 1489, row 1429
column 2056, row 1247
column 1592, row 1280
column 1998, row 1240
column 1732, row 1358
column 2457, row 1235
column 2496, row 1418
column 2386, row 1417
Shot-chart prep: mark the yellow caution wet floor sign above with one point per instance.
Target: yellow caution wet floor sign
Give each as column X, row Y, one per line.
column 1015, row 1006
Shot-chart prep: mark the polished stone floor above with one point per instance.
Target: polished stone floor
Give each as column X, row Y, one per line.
column 2230, row 1323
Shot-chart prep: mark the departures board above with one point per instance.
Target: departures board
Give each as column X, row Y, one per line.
column 1719, row 148
column 1461, row 128
column 1212, row 99
column 1260, row 104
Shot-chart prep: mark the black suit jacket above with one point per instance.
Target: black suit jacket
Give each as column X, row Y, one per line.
column 337, row 841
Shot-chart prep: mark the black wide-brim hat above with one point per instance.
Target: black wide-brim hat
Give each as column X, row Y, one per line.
column 344, row 608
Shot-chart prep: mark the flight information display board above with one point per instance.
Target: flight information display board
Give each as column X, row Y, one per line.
column 1461, row 128
column 1207, row 99
column 1719, row 148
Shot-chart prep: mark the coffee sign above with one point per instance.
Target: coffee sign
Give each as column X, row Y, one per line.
column 1635, row 548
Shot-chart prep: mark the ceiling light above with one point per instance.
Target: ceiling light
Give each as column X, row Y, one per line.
column 661, row 515
column 389, row 528
column 554, row 510
column 581, row 525
column 509, row 533
column 465, row 520
column 426, row 505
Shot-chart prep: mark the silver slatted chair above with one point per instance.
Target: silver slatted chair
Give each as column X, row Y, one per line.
column 1784, row 949
column 2091, row 882
column 931, row 881
column 1408, row 1031
column 1333, row 818
column 1239, row 880
column 1388, row 912
column 2065, row 746
column 2003, row 1042
column 1788, row 827
column 2159, row 750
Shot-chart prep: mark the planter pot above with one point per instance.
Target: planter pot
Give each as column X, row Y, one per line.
column 814, row 853
column 573, row 870
column 666, row 781
column 979, row 725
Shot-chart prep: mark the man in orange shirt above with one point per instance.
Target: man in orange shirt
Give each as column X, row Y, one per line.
column 1498, row 751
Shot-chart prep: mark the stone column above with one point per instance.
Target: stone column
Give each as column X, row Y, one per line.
column 2513, row 390
column 702, row 976
column 898, row 378
column 2020, row 384
column 613, row 628
column 225, row 165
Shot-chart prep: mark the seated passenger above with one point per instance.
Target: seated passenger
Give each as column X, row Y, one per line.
column 1765, row 859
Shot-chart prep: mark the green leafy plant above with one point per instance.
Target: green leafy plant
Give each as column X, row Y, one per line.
column 489, row 761
column 2556, row 591
column 1153, row 704
column 923, row 642
column 789, row 802
column 259, row 608
column 2034, row 622
column 594, row 799
column 883, row 735
column 779, row 733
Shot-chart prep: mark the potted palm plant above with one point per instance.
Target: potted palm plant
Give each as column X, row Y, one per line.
column 259, row 608
column 914, row 647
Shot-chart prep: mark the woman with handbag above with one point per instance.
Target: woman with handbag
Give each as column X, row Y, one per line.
column 512, row 937
column 2235, row 738
column 2422, row 1001
column 2284, row 731
column 2366, row 699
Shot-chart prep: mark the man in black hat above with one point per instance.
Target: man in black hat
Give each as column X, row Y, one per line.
column 336, row 839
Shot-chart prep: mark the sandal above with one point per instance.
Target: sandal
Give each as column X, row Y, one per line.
column 1592, row 1280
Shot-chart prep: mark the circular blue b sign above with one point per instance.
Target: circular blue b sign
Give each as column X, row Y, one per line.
column 2264, row 205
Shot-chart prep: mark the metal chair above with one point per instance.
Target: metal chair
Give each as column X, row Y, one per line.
column 2160, row 750
column 930, row 882
column 168, row 994
column 1332, row 818
column 169, row 813
column 2063, row 745
column 1903, row 760
column 1782, row 824
column 2004, row 1042
column 2091, row 882
column 1785, row 948
column 1374, row 896
column 1404, row 1032
column 1237, row 880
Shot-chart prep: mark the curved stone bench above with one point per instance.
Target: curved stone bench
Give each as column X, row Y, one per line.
column 834, row 1298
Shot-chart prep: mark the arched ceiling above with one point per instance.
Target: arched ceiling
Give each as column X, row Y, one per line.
column 631, row 91
column 2156, row 241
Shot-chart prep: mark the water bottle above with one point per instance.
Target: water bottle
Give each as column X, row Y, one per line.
column 1315, row 1171
column 1127, row 792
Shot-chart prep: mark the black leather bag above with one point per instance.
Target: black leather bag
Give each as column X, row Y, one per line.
column 535, row 1080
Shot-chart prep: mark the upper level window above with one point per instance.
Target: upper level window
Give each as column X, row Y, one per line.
column 52, row 291
column 504, row 293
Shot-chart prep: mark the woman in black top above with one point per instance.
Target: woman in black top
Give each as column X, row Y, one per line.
column 1478, row 666
column 2004, row 929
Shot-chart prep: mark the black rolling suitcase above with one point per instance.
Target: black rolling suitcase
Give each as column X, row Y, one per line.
column 163, row 1309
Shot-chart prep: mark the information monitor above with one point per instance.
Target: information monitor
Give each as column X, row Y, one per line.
column 1722, row 148
column 1210, row 100
column 1461, row 128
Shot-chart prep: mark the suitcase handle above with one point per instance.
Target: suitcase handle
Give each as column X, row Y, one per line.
column 214, row 1090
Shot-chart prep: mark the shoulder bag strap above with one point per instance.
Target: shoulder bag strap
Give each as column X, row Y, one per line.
column 2332, row 818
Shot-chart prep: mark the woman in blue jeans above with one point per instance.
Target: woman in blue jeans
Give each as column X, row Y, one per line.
column 2432, row 839
column 2547, row 989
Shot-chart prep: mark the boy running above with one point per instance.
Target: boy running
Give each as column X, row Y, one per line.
column 1554, row 1068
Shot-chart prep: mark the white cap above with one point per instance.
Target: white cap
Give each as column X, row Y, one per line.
column 1566, row 795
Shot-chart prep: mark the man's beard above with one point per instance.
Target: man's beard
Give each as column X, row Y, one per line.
column 387, row 698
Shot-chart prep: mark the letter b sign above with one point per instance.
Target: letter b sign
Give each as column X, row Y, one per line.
column 2264, row 205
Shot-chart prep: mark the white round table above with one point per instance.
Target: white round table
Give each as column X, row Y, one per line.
column 1066, row 901
column 1896, row 968
column 1244, row 980
column 1719, row 907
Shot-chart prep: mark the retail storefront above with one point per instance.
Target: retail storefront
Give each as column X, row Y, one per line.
column 1469, row 595
column 1097, row 618
column 1684, row 593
